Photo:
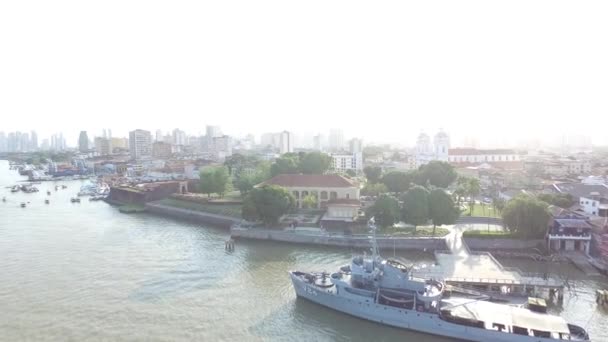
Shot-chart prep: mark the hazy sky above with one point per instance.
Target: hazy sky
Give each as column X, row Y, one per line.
column 385, row 70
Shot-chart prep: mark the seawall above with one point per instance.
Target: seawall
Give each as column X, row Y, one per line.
column 356, row 241
column 502, row 244
column 193, row 215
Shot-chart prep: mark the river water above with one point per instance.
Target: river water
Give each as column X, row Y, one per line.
column 85, row 272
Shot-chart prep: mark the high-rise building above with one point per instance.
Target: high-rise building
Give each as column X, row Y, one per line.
column 317, row 142
column 179, row 137
column 140, row 144
column 159, row 135
column 286, row 142
column 213, row 131
column 355, row 145
column 33, row 141
column 222, row 146
column 336, row 139
column 58, row 142
column 122, row 143
column 83, row 142
column 45, row 145
column 3, row 146
column 103, row 146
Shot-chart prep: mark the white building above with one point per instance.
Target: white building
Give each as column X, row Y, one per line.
column 427, row 151
column 222, row 146
column 344, row 162
column 336, row 139
column 355, row 145
column 286, row 142
column 473, row 155
column 318, row 142
column 140, row 144
column 179, row 137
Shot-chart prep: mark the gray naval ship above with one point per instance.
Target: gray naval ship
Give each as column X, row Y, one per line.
column 384, row 291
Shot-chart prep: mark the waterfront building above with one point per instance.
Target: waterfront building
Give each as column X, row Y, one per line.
column 83, row 142
column 140, row 144
column 324, row 187
column 569, row 233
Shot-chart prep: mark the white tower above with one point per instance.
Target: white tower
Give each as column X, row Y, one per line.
column 442, row 146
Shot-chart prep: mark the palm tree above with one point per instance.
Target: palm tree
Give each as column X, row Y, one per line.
column 473, row 190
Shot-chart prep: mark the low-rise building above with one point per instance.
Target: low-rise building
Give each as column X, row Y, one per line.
column 473, row 155
column 592, row 198
column 569, row 234
column 324, row 187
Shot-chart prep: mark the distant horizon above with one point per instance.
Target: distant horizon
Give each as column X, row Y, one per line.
column 71, row 138
column 522, row 71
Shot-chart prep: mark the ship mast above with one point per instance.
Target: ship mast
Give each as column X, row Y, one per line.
column 371, row 224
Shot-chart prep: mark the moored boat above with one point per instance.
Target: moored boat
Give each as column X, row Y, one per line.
column 385, row 291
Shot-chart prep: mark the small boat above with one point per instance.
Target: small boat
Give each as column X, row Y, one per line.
column 16, row 188
column 48, row 193
column 22, row 204
column 47, row 201
column 75, row 200
column 64, row 186
column 3, row 199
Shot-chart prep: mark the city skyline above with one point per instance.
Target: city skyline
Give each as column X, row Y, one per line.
column 382, row 80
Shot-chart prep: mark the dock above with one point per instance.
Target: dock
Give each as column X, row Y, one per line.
column 462, row 268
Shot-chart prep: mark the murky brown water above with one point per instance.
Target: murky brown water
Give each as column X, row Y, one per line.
column 86, row 272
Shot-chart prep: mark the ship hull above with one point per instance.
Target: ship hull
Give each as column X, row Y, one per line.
column 428, row 323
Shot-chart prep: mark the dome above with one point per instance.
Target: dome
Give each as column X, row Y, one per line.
column 423, row 137
column 441, row 135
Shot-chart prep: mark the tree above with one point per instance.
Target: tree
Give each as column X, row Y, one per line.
column 436, row 173
column 471, row 188
column 397, row 181
column 416, row 206
column 214, row 180
column 351, row 173
column 442, row 209
column 267, row 204
column 288, row 163
column 309, row 201
column 385, row 211
column 262, row 172
column 561, row 200
column 206, row 185
column 526, row 216
column 374, row 189
column 314, row 163
column 245, row 184
column 499, row 204
column 373, row 173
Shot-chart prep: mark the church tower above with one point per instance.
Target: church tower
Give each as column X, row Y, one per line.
column 442, row 146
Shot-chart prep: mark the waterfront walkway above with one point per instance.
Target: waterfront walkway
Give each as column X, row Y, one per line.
column 461, row 266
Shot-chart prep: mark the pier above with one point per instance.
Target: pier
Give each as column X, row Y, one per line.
column 481, row 271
